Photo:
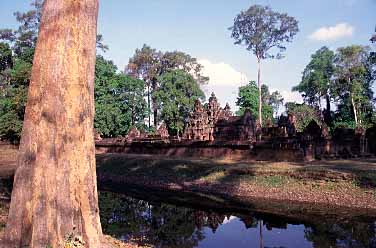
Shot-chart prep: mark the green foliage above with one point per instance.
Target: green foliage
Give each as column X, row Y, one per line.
column 261, row 29
column 175, row 96
column 248, row 99
column 21, row 72
column 346, row 77
column 150, row 64
column 6, row 58
column 304, row 114
column 119, row 100
column 317, row 76
column 16, row 56
column 353, row 85
column 263, row 32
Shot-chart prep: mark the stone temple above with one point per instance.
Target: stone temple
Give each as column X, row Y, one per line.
column 211, row 122
column 214, row 132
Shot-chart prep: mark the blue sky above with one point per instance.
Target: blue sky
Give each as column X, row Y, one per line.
column 199, row 27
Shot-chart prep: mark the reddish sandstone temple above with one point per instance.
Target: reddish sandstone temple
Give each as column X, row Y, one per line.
column 214, row 132
column 212, row 123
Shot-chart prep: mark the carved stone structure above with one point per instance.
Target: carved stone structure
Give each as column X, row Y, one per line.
column 205, row 123
column 133, row 134
column 236, row 128
column 163, row 132
column 97, row 135
column 240, row 137
column 198, row 126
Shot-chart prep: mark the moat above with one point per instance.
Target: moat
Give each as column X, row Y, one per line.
column 161, row 220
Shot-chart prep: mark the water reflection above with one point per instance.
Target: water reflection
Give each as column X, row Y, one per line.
column 166, row 225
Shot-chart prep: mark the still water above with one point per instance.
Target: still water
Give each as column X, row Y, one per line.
column 160, row 224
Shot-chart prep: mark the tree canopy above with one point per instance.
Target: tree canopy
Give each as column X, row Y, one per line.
column 263, row 32
column 119, row 100
column 344, row 78
column 260, row 29
column 149, row 64
column 176, row 96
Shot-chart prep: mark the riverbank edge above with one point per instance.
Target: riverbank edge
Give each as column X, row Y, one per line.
column 266, row 204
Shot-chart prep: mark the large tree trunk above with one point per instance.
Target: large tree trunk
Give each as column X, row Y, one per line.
column 260, row 92
column 55, row 189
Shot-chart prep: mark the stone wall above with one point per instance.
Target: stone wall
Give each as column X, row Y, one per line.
column 200, row 149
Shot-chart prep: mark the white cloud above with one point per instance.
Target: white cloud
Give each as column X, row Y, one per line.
column 222, row 73
column 290, row 96
column 224, row 81
column 340, row 30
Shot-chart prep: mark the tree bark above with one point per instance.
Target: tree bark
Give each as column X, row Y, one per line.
column 328, row 117
column 155, row 104
column 327, row 98
column 260, row 92
column 55, row 189
column 149, row 105
column 354, row 110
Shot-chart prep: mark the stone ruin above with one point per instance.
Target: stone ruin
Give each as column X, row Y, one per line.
column 197, row 127
column 213, row 123
column 236, row 128
column 97, row 135
column 162, row 131
column 133, row 134
column 227, row 135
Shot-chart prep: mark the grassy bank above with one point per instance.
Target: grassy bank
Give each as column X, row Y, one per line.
column 347, row 183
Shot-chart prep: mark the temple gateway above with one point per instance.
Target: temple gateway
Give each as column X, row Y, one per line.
column 211, row 122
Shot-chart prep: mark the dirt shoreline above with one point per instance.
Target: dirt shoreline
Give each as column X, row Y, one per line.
column 316, row 185
column 316, row 202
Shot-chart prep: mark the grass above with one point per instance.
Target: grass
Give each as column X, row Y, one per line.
column 266, row 173
column 272, row 181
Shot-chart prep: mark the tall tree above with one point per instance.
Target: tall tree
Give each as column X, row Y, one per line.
column 317, row 80
column 351, row 82
column 176, row 97
column 262, row 30
column 55, row 190
column 149, row 64
column 119, row 100
column 145, row 65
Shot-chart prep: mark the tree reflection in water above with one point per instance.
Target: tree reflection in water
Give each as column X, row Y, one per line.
column 165, row 225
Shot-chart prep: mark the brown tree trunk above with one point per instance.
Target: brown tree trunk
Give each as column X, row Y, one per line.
column 55, row 189
column 260, row 92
